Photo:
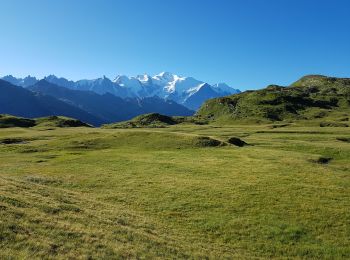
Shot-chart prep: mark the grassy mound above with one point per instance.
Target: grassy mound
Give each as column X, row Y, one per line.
column 205, row 141
column 153, row 120
column 13, row 121
column 7, row 121
column 60, row 121
column 237, row 142
column 311, row 97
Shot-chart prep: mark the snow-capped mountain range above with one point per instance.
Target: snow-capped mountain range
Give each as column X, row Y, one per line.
column 187, row 91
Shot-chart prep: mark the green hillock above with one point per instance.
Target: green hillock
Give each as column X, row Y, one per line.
column 152, row 120
column 13, row 121
column 236, row 141
column 59, row 121
column 205, row 141
column 312, row 97
column 155, row 120
column 50, row 121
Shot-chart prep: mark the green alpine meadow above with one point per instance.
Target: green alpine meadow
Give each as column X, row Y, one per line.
column 258, row 175
column 179, row 129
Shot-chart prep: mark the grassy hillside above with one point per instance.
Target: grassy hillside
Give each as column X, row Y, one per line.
column 155, row 120
column 175, row 192
column 152, row 120
column 59, row 121
column 7, row 121
column 13, row 121
column 318, row 98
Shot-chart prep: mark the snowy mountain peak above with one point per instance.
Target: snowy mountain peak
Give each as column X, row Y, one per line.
column 183, row 90
column 225, row 89
column 123, row 80
column 143, row 77
column 221, row 85
column 131, row 83
column 165, row 75
column 201, row 86
column 120, row 78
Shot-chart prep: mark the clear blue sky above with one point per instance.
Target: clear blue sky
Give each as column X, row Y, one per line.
column 245, row 43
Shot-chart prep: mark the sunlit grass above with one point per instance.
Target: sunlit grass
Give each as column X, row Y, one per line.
column 154, row 193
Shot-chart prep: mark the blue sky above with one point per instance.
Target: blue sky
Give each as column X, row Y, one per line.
column 245, row 43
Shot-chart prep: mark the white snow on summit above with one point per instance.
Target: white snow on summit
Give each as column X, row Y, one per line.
column 164, row 85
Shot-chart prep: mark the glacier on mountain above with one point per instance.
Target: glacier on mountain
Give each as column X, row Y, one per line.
column 183, row 90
